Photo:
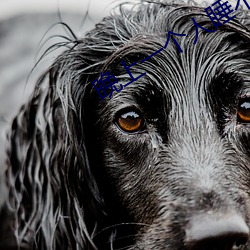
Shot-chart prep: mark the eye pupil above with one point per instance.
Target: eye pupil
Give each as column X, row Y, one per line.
column 130, row 122
column 243, row 113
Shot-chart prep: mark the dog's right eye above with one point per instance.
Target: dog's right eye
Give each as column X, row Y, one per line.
column 130, row 121
column 243, row 113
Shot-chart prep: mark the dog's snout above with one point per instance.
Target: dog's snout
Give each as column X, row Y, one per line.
column 217, row 232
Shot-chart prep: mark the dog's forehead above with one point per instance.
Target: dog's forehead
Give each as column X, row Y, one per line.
column 216, row 66
column 220, row 50
column 190, row 72
column 186, row 76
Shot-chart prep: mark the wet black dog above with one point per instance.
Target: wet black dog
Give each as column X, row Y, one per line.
column 162, row 164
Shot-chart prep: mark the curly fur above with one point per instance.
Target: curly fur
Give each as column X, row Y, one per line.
column 76, row 181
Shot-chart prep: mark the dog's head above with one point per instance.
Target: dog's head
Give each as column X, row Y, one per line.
column 161, row 164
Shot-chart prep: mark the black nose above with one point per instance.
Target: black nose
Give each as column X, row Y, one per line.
column 217, row 232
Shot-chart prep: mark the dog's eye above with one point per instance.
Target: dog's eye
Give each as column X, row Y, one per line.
column 243, row 113
column 130, row 121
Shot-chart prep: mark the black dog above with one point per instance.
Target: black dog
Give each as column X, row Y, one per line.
column 162, row 164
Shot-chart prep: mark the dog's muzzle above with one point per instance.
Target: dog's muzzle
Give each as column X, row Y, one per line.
column 217, row 232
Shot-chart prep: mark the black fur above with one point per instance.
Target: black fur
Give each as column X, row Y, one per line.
column 77, row 181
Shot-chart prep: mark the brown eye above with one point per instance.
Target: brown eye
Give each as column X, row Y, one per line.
column 243, row 113
column 130, row 121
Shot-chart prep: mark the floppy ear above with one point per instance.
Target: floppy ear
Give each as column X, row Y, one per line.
column 51, row 186
column 54, row 198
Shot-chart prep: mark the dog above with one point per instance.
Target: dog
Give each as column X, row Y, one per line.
column 162, row 163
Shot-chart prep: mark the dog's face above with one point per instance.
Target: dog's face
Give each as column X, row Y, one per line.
column 163, row 164
column 175, row 143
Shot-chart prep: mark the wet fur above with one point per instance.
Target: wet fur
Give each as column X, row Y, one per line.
column 76, row 181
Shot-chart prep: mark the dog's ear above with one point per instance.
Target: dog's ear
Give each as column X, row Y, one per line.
column 53, row 197
column 51, row 186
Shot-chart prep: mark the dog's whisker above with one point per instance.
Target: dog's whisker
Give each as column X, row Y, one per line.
column 119, row 225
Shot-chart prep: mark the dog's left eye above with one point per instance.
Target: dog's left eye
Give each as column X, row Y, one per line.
column 130, row 121
column 243, row 113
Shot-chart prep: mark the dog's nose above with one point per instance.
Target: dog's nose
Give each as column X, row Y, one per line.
column 217, row 232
